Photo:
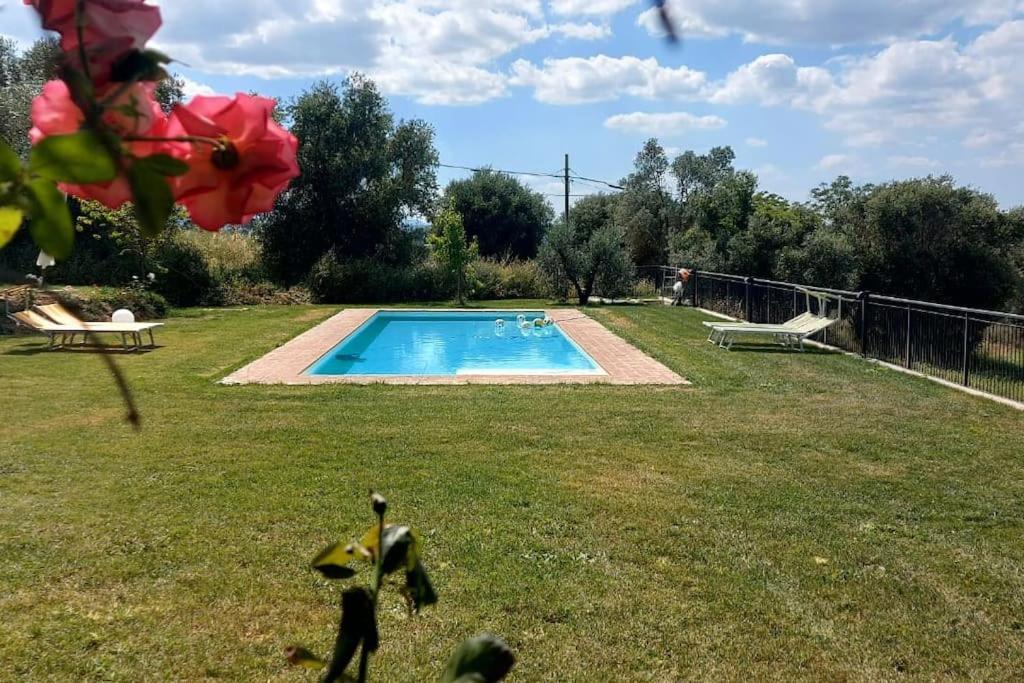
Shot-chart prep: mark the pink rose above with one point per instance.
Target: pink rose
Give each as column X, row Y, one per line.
column 112, row 27
column 241, row 178
column 54, row 113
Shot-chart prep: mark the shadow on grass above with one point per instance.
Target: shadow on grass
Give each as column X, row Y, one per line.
column 113, row 351
column 774, row 348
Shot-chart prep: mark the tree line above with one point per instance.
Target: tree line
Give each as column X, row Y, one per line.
column 359, row 219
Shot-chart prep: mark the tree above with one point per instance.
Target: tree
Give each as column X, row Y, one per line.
column 362, row 176
column 929, row 239
column 695, row 173
column 21, row 78
column 587, row 263
column 169, row 92
column 453, row 251
column 503, row 215
column 645, row 209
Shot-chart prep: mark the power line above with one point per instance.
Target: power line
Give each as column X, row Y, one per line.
column 559, row 176
column 499, row 170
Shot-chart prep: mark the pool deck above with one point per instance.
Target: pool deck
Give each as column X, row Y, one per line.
column 621, row 362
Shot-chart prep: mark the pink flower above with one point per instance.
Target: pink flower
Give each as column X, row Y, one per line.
column 243, row 175
column 111, row 27
column 55, row 113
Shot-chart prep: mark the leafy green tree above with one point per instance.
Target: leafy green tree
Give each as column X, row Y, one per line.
column 592, row 213
column 453, row 251
column 645, row 209
column 363, row 174
column 506, row 218
column 587, row 263
column 826, row 257
column 929, row 239
column 22, row 76
column 696, row 173
column 169, row 92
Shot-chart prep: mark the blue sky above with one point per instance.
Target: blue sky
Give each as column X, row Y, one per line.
column 803, row 91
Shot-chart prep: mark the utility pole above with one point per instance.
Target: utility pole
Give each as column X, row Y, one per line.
column 567, row 189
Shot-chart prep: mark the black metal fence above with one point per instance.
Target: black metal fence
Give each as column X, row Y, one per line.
column 980, row 349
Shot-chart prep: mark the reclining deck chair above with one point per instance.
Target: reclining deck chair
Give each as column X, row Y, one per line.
column 790, row 334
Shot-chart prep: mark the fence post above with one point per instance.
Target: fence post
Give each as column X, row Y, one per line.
column 746, row 298
column 967, row 350
column 908, row 359
column 693, row 276
column 864, row 297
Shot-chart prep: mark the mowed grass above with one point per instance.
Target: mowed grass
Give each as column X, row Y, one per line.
column 789, row 516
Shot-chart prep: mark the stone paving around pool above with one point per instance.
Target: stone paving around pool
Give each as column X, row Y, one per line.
column 621, row 362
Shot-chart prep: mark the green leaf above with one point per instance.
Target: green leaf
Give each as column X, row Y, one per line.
column 140, row 65
column 332, row 560
column 50, row 226
column 10, row 164
column 78, row 158
column 401, row 547
column 358, row 626
column 484, row 658
column 300, row 656
column 10, row 221
column 418, row 587
column 153, row 199
column 165, row 164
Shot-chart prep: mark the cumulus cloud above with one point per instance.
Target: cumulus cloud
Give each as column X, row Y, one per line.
column 437, row 51
column 592, row 7
column 920, row 162
column 756, row 142
column 827, row 22
column 587, row 31
column 579, row 80
column 833, row 162
column 667, row 124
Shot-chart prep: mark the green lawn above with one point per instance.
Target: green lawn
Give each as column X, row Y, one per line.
column 788, row 516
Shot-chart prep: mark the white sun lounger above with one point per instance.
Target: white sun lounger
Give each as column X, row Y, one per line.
column 60, row 334
column 790, row 334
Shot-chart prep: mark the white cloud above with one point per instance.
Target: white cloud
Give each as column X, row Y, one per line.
column 192, row 88
column 667, row 124
column 587, row 31
column 827, row 22
column 832, row 162
column 912, row 162
column 980, row 138
column 774, row 79
column 591, row 7
column 579, row 80
column 756, row 142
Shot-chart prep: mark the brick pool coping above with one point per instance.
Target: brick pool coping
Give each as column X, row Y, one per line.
column 621, row 362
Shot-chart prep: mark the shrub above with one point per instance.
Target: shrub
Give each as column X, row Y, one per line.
column 238, row 291
column 227, row 255
column 369, row 281
column 98, row 303
column 182, row 275
column 508, row 279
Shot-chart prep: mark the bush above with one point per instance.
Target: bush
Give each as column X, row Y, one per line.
column 98, row 303
column 227, row 255
column 182, row 276
column 333, row 281
column 508, row 279
column 241, row 292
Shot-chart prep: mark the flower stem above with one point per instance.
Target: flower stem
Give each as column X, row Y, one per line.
column 184, row 138
column 378, row 575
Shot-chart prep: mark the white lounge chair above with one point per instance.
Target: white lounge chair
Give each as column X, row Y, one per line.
column 62, row 316
column 791, row 333
column 63, row 335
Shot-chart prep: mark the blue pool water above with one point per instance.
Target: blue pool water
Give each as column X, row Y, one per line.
column 454, row 343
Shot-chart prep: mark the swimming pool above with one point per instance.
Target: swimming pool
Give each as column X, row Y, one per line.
column 452, row 343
